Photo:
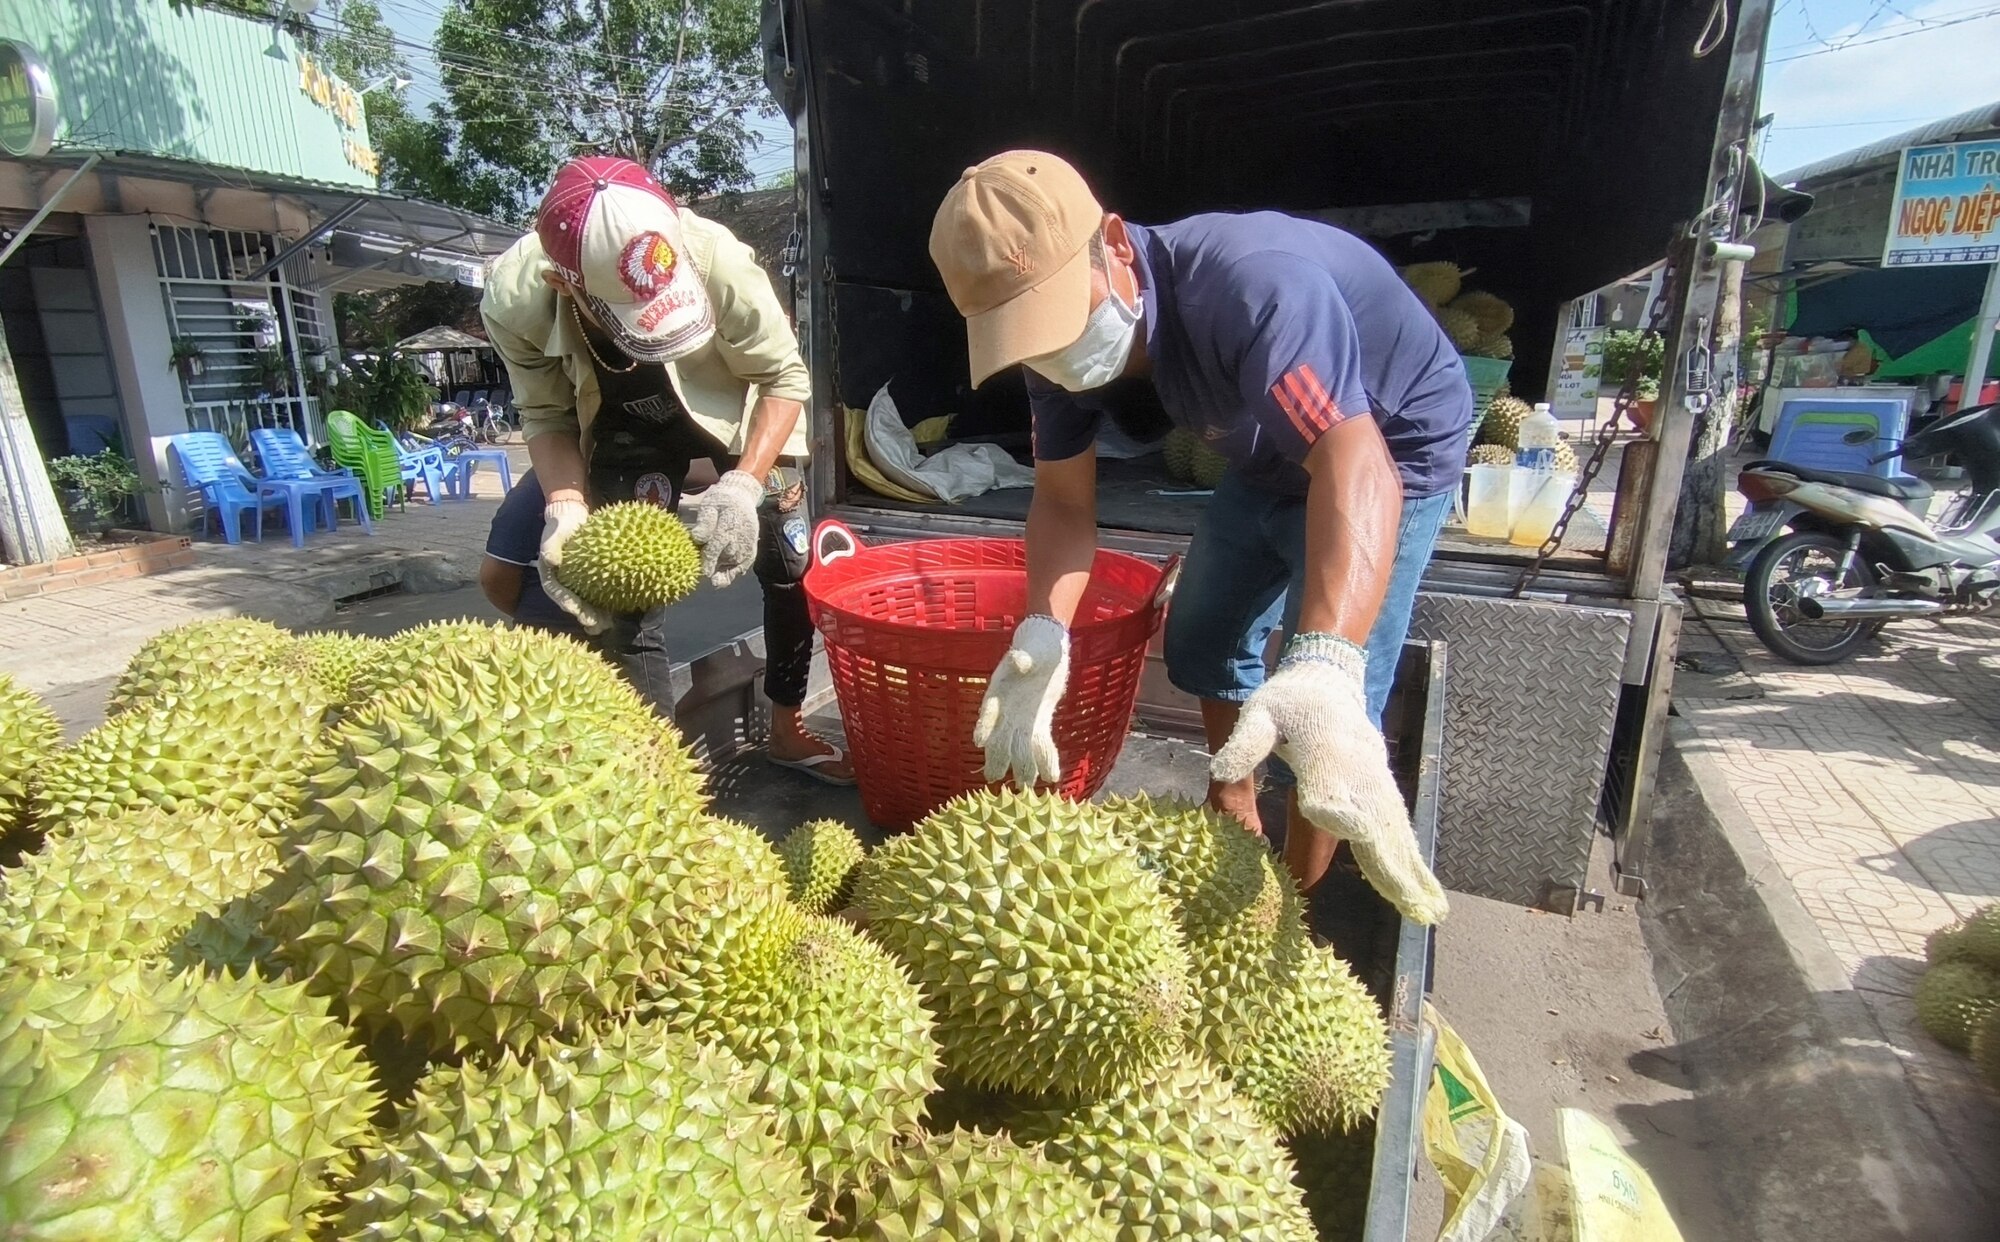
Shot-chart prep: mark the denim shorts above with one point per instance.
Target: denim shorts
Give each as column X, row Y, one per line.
column 1244, row 576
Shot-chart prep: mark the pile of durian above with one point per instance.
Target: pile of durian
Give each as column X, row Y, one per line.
column 439, row 938
column 1476, row 321
column 1958, row 997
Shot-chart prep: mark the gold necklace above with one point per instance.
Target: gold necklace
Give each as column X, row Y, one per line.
column 630, row 363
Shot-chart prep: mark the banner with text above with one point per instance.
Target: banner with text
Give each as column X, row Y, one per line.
column 1947, row 206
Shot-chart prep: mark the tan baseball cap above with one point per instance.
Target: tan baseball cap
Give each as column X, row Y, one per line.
column 1012, row 241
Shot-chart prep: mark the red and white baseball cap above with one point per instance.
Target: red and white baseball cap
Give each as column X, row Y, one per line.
column 614, row 233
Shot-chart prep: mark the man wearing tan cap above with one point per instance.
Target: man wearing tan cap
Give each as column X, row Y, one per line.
column 1296, row 351
column 641, row 339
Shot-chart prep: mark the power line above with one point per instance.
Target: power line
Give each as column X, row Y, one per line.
column 1925, row 26
column 1911, row 120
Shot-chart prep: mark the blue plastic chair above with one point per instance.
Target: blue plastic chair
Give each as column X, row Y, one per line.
column 424, row 462
column 285, row 459
column 210, row 469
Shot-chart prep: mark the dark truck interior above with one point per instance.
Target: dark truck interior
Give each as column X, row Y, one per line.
column 1550, row 145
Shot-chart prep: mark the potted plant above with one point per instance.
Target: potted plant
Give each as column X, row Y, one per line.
column 94, row 489
column 270, row 374
column 1627, row 351
column 189, row 357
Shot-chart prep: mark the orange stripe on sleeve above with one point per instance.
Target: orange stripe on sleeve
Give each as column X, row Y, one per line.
column 1291, row 409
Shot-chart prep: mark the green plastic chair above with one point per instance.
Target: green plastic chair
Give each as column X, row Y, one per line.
column 378, row 469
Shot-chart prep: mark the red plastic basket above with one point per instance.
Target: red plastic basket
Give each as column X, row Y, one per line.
column 913, row 630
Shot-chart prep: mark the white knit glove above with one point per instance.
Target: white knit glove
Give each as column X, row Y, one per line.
column 560, row 519
column 1017, row 716
column 725, row 525
column 1314, row 713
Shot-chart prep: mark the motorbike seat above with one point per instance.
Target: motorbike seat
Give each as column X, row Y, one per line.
column 1874, row 485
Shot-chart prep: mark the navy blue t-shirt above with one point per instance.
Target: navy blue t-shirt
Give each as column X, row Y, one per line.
column 1264, row 331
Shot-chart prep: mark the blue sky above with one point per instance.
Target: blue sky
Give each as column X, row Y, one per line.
column 1839, row 74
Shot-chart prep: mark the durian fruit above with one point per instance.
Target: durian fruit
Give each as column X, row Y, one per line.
column 198, row 654
column 846, row 1061
column 1436, row 283
column 722, row 921
column 1954, row 998
column 1335, row 1171
column 1320, row 1058
column 1207, row 467
column 1986, row 1048
column 1503, row 422
column 819, row 859
column 1945, row 944
column 1565, row 458
column 483, row 856
column 332, row 661
column 231, row 940
column 239, row 746
column 629, row 558
column 1492, row 312
column 1491, row 455
column 1499, row 345
column 639, row 1134
column 1179, row 1156
column 147, row 1107
column 961, row 1106
column 29, row 734
column 1049, row 956
column 125, row 889
column 973, row 1187
column 1461, row 329
column 1974, row 939
column 1179, row 452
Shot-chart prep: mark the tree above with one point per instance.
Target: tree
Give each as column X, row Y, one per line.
column 671, row 84
column 1700, row 520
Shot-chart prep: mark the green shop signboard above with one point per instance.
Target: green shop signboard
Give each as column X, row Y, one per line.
column 27, row 102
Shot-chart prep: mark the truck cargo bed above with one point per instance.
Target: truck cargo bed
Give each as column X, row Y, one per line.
column 1390, row 954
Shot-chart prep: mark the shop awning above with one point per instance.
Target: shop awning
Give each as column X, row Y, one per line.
column 356, row 240
column 442, row 337
column 1900, row 308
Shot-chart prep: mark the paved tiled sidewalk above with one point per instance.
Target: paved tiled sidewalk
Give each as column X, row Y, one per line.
column 1875, row 786
column 81, row 636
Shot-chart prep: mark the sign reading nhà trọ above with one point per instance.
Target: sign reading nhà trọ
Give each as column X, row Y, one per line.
column 1947, row 206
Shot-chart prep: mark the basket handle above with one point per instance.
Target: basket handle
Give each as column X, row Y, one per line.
column 832, row 540
column 1170, row 578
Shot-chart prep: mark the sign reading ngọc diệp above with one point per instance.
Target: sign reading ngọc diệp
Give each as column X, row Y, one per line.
column 1946, row 209
column 27, row 102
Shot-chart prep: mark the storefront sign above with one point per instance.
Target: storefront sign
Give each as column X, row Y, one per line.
column 1574, row 393
column 27, row 102
column 1947, row 206
column 344, row 102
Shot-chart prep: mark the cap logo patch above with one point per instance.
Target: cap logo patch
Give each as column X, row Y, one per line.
column 1019, row 258
column 646, row 264
column 654, row 312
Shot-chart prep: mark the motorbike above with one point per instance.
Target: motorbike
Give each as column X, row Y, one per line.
column 1831, row 556
column 448, row 418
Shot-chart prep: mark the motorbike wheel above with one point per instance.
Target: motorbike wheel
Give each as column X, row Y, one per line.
column 1772, row 587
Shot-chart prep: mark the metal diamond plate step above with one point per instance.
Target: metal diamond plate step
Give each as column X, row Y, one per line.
column 1528, row 715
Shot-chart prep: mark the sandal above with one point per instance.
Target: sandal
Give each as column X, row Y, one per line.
column 811, row 765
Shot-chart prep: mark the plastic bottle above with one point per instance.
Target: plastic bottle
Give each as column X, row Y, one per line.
column 1539, row 436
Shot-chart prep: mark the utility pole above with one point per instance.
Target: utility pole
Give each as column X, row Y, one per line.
column 32, row 530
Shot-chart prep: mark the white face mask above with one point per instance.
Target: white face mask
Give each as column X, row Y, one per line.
column 1098, row 356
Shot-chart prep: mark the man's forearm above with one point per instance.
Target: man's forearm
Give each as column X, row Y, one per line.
column 1062, row 545
column 1352, row 511
column 559, row 468
column 771, row 422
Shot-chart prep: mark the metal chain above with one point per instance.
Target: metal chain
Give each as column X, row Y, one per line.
column 1621, row 413
column 833, row 331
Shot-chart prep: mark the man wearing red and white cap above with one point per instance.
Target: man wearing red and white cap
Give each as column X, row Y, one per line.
column 641, row 339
